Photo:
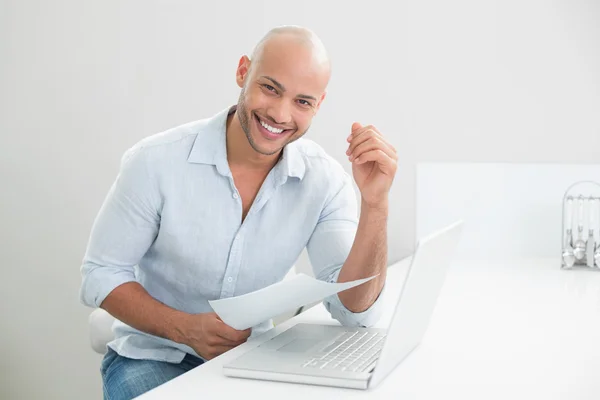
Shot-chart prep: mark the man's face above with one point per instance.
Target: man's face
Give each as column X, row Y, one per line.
column 281, row 93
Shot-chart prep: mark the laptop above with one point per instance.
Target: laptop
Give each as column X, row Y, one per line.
column 358, row 358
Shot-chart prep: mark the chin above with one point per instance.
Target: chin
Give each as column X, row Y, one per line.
column 265, row 149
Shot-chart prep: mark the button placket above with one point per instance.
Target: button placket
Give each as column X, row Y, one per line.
column 233, row 267
column 234, row 191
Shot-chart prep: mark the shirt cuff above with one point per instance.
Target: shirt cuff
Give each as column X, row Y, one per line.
column 99, row 281
column 338, row 311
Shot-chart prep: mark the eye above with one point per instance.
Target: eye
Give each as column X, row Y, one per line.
column 305, row 103
column 269, row 88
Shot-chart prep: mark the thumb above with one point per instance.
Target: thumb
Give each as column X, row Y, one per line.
column 356, row 126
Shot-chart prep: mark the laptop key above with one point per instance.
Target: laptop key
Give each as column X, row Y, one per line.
column 356, row 352
column 339, row 341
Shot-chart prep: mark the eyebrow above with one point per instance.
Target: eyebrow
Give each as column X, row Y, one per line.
column 282, row 88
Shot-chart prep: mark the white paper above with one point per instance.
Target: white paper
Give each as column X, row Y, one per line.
column 245, row 311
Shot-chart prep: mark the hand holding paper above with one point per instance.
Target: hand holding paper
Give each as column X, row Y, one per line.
column 245, row 311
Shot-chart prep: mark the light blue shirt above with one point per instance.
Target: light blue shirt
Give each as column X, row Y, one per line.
column 172, row 221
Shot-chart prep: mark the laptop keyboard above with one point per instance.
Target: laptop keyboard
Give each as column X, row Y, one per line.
column 352, row 351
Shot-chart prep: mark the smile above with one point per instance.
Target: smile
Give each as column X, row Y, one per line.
column 268, row 131
column 270, row 128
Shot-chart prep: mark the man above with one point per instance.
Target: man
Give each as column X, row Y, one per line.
column 224, row 206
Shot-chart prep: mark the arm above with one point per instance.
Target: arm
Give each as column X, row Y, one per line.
column 132, row 304
column 340, row 249
column 368, row 257
column 205, row 333
column 123, row 231
column 374, row 163
column 334, row 248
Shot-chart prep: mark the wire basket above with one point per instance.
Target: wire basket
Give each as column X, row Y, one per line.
column 581, row 226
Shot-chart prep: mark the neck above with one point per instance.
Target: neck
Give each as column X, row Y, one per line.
column 241, row 153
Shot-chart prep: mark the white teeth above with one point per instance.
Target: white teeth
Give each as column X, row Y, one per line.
column 270, row 128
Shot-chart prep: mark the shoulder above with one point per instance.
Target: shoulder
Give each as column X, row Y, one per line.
column 319, row 164
column 326, row 179
column 169, row 145
column 177, row 138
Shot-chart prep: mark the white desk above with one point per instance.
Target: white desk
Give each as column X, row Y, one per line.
column 519, row 329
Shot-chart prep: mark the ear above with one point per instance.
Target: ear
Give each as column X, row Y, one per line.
column 320, row 101
column 242, row 71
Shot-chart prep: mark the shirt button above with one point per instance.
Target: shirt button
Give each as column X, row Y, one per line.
column 230, row 279
column 235, row 196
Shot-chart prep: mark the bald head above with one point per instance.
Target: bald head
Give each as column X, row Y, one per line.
column 289, row 36
column 283, row 86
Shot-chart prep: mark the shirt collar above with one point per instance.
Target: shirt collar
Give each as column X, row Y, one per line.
column 293, row 161
column 210, row 147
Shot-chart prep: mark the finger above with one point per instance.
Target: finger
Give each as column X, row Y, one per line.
column 219, row 339
column 215, row 351
column 357, row 132
column 356, row 140
column 373, row 128
column 372, row 144
column 358, row 129
column 369, row 137
column 386, row 164
column 222, row 333
column 216, row 340
column 227, row 332
column 232, row 338
column 362, row 135
column 364, row 129
column 355, row 127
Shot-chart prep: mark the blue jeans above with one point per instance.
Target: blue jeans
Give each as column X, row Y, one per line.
column 125, row 378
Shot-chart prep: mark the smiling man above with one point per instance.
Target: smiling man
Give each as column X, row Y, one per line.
column 224, row 206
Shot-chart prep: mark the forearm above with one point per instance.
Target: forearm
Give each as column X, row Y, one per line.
column 367, row 257
column 131, row 304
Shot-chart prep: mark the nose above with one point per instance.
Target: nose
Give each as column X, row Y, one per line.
column 280, row 113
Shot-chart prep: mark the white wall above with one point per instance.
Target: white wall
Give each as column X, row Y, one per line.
column 509, row 81
column 510, row 210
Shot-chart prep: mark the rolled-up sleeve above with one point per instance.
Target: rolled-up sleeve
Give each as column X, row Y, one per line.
column 330, row 245
column 124, row 229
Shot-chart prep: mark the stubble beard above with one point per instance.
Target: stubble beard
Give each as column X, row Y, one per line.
column 245, row 121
